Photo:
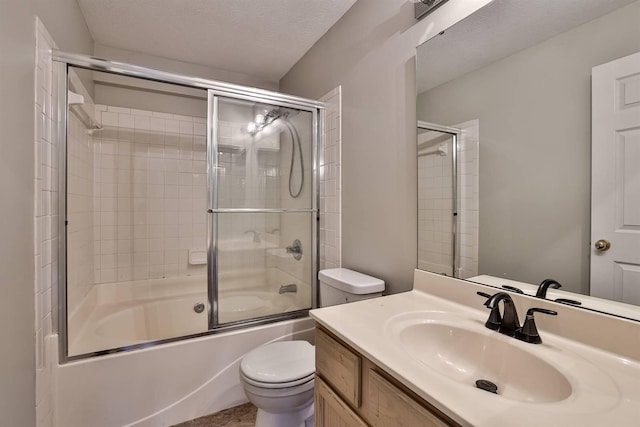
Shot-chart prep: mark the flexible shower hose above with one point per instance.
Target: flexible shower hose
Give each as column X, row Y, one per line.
column 295, row 140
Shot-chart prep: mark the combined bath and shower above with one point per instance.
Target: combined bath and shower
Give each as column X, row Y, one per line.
column 267, row 119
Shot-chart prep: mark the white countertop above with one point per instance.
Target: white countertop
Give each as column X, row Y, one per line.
column 605, row 386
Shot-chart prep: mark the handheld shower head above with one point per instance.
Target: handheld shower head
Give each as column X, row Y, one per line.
column 275, row 114
column 263, row 120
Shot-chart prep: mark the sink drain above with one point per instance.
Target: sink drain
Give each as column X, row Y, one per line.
column 487, row 385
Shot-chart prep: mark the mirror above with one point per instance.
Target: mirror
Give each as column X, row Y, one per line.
column 515, row 79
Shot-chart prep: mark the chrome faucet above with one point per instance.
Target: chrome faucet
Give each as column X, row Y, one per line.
column 544, row 287
column 295, row 249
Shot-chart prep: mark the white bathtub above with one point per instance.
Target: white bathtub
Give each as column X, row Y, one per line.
column 175, row 382
column 161, row 385
column 120, row 314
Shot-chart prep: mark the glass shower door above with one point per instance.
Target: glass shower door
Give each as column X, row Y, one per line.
column 263, row 213
column 136, row 213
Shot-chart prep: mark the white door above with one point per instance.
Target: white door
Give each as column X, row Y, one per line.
column 615, row 175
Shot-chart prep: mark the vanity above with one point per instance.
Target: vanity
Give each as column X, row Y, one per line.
column 351, row 390
column 413, row 359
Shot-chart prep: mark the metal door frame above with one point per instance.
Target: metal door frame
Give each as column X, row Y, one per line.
column 213, row 208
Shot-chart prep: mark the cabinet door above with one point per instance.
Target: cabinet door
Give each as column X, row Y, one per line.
column 331, row 411
column 339, row 367
column 390, row 407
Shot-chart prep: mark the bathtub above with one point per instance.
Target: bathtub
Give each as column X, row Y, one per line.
column 161, row 385
column 121, row 314
column 170, row 383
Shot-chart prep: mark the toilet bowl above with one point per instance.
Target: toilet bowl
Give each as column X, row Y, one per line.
column 278, row 377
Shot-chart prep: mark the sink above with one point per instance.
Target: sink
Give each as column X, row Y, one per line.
column 465, row 351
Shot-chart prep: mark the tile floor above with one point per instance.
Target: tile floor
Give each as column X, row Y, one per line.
column 240, row 416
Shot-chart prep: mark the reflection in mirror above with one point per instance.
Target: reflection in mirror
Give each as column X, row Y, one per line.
column 436, row 198
column 448, row 199
column 521, row 74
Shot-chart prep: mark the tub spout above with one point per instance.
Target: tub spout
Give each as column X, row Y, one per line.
column 288, row 288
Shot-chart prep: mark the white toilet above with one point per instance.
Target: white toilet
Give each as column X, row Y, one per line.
column 278, row 377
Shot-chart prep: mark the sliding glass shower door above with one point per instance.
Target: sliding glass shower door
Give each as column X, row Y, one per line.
column 188, row 207
column 262, row 206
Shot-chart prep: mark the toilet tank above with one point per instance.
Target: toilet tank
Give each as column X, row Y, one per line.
column 341, row 285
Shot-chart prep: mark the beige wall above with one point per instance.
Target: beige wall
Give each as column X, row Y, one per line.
column 535, row 148
column 17, row 311
column 17, row 362
column 65, row 23
column 370, row 52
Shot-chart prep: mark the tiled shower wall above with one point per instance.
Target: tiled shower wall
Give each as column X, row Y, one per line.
column 80, row 187
column 46, row 220
column 149, row 194
column 331, row 182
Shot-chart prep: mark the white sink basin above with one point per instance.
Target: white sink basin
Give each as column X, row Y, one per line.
column 465, row 351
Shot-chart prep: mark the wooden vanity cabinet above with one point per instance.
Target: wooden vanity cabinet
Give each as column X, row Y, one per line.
column 331, row 410
column 351, row 391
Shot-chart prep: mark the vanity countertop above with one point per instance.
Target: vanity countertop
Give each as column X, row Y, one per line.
column 605, row 387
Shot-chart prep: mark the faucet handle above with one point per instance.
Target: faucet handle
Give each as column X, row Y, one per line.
column 495, row 319
column 529, row 331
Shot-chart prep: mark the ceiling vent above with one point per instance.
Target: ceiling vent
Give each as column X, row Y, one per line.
column 424, row 7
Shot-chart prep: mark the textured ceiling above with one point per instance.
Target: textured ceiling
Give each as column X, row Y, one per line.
column 262, row 38
column 498, row 30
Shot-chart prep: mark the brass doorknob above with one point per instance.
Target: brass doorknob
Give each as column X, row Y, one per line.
column 602, row 245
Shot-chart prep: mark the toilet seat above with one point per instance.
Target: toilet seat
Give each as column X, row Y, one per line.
column 279, row 384
column 279, row 364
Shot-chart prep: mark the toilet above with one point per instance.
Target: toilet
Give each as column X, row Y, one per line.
column 278, row 377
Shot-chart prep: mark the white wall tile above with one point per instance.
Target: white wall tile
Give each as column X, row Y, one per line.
column 330, row 193
column 45, row 185
column 148, row 201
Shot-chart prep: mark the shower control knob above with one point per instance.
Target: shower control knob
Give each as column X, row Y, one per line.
column 602, row 245
column 198, row 307
column 295, row 249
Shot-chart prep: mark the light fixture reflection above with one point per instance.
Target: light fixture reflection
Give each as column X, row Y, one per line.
column 252, row 128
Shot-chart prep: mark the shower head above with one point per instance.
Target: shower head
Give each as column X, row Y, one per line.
column 275, row 114
column 263, row 120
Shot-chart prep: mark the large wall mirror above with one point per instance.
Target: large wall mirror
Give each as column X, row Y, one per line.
column 532, row 87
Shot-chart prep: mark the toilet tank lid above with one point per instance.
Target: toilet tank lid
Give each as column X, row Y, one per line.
column 351, row 281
